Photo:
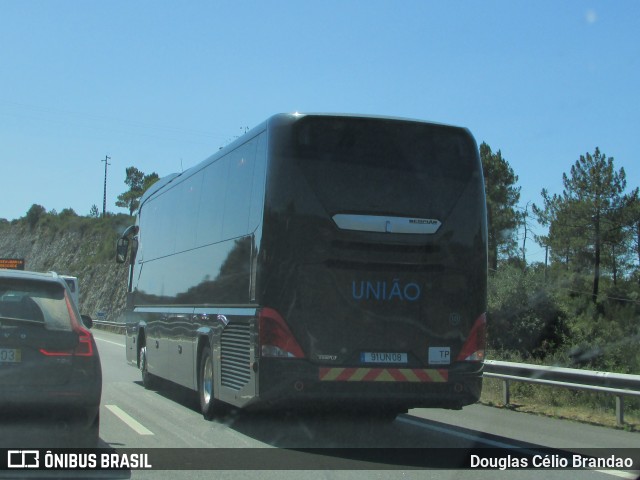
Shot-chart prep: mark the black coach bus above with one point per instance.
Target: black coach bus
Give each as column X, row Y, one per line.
column 319, row 260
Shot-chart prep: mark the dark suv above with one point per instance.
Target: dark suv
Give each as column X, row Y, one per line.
column 50, row 373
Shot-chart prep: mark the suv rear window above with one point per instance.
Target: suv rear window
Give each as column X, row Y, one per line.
column 35, row 301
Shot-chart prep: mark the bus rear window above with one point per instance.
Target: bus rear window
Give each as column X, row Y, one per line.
column 402, row 145
column 384, row 166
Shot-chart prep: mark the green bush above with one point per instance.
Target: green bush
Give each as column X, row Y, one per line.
column 524, row 316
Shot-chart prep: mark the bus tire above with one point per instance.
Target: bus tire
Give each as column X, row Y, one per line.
column 148, row 380
column 209, row 406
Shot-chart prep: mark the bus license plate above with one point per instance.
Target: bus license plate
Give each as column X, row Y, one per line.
column 383, row 357
column 10, row 355
column 439, row 356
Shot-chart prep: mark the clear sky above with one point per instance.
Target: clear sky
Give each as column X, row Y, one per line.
column 161, row 85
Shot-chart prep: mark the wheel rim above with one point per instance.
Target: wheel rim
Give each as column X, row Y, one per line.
column 143, row 360
column 207, row 380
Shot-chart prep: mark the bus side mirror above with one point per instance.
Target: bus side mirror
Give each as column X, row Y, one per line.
column 134, row 248
column 122, row 247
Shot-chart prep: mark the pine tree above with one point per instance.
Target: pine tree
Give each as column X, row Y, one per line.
column 590, row 215
column 138, row 183
column 502, row 198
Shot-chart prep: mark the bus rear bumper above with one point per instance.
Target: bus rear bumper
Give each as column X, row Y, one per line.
column 300, row 384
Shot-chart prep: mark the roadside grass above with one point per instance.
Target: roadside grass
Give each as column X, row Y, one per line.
column 580, row 406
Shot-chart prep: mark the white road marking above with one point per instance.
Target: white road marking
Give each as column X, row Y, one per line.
column 109, row 341
column 129, row 420
column 618, row 473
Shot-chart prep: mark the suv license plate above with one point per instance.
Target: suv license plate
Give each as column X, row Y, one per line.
column 10, row 355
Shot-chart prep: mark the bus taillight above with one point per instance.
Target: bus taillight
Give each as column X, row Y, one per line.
column 473, row 348
column 276, row 340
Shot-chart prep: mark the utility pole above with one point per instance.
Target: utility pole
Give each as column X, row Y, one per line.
column 104, row 199
column 546, row 261
column 525, row 215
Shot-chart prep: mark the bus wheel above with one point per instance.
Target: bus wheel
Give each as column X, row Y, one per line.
column 209, row 406
column 148, row 380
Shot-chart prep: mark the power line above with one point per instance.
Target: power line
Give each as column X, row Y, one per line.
column 98, row 121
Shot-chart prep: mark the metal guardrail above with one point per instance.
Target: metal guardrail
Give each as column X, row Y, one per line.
column 618, row 384
column 111, row 326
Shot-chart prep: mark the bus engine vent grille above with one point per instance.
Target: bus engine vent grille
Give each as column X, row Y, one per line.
column 235, row 362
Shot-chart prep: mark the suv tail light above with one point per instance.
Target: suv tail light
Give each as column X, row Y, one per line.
column 85, row 345
column 276, row 340
column 85, row 342
column 473, row 349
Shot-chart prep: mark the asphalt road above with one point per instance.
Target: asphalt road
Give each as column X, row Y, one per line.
column 251, row 446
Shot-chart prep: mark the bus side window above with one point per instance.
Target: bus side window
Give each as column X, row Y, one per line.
column 212, row 200
column 188, row 205
column 257, row 189
column 153, row 225
column 238, row 199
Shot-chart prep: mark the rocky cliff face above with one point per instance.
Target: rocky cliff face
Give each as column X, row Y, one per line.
column 82, row 252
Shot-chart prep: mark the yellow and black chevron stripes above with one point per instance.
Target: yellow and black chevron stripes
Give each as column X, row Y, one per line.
column 332, row 374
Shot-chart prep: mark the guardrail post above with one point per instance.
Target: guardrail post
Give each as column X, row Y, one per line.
column 620, row 410
column 505, row 392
